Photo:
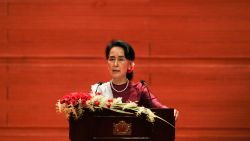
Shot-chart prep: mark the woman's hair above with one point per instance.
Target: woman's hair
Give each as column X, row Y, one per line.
column 128, row 52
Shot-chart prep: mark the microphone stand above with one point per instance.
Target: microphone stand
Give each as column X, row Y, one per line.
column 99, row 84
column 146, row 87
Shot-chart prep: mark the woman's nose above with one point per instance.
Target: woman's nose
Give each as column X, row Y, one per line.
column 116, row 62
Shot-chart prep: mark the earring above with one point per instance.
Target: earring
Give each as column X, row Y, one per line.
column 130, row 70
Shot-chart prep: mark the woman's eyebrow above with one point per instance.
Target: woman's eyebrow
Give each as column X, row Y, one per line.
column 118, row 56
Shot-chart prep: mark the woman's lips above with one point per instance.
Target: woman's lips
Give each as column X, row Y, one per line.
column 116, row 70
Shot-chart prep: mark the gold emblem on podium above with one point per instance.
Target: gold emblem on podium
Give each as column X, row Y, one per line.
column 122, row 128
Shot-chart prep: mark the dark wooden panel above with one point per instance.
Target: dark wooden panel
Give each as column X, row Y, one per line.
column 75, row 35
column 78, row 7
column 212, row 96
column 66, row 49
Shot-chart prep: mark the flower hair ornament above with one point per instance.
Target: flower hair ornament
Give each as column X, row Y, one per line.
column 130, row 70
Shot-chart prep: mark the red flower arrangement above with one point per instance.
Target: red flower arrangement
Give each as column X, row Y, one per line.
column 74, row 104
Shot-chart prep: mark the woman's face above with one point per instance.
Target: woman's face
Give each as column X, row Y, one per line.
column 117, row 63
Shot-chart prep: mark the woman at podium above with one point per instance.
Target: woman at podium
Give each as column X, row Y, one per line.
column 120, row 58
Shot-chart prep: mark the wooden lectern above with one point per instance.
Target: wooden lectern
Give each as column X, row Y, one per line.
column 107, row 125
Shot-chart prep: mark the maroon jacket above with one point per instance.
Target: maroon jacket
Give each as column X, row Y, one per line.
column 138, row 93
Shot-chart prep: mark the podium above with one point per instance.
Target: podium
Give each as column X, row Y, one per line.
column 107, row 125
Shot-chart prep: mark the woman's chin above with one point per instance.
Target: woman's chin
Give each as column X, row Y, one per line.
column 116, row 75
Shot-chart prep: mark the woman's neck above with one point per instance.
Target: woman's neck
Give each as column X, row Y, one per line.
column 119, row 81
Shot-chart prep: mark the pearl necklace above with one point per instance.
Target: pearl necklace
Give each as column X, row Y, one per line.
column 118, row 90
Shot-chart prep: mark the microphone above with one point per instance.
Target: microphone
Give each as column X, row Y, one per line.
column 146, row 87
column 142, row 82
column 99, row 84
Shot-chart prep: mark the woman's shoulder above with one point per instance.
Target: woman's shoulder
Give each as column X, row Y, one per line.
column 138, row 85
column 103, row 88
column 100, row 84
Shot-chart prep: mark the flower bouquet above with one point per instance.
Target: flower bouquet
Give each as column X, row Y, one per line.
column 75, row 104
